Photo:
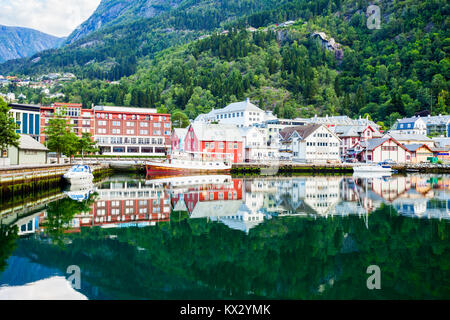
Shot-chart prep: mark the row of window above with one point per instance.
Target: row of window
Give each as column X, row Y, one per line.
column 131, row 131
column 131, row 117
column 221, row 145
column 126, row 140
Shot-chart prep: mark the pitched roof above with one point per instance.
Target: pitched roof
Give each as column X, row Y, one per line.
column 372, row 143
column 409, row 137
column 216, row 132
column 415, row 146
column 303, row 131
column 240, row 106
column 28, row 143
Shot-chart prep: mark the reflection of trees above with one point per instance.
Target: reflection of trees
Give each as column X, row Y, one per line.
column 8, row 236
column 288, row 258
column 59, row 215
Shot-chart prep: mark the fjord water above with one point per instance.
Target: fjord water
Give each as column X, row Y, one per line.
column 233, row 238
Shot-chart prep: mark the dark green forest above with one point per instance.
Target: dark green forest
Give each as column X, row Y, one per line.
column 396, row 71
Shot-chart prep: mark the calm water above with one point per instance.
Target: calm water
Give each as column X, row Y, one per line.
column 217, row 237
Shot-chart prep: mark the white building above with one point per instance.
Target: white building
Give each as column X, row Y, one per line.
column 414, row 125
column 256, row 148
column 241, row 114
column 311, row 143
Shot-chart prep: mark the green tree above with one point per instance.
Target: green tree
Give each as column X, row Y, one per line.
column 60, row 137
column 179, row 120
column 8, row 127
column 86, row 144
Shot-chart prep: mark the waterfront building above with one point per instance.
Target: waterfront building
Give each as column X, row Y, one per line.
column 256, row 147
column 419, row 152
column 241, row 114
column 81, row 119
column 351, row 135
column 27, row 119
column 382, row 149
column 29, row 151
column 131, row 131
column 311, row 143
column 220, row 141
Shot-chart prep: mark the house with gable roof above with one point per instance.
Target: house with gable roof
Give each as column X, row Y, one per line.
column 382, row 149
column 215, row 141
column 311, row 143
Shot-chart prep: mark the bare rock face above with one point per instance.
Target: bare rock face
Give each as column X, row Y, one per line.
column 111, row 12
column 16, row 42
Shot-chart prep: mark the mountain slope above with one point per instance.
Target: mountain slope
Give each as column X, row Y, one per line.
column 124, row 35
column 112, row 12
column 17, row 42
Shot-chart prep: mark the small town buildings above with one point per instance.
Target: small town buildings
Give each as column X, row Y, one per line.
column 351, row 135
column 256, row 147
column 311, row 143
column 220, row 141
column 29, row 151
column 177, row 139
column 382, row 149
column 241, row 114
column 27, row 118
column 419, row 152
column 131, row 131
column 414, row 125
column 334, row 121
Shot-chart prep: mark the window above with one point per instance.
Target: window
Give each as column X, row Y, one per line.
column 130, row 131
column 116, row 123
column 167, row 125
column 212, row 145
column 143, row 131
column 144, row 124
column 157, row 125
column 116, row 131
column 221, row 145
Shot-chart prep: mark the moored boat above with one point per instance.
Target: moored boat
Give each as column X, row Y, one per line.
column 79, row 174
column 193, row 163
column 374, row 168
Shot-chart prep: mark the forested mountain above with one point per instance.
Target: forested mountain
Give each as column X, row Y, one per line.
column 16, row 42
column 125, row 35
column 394, row 71
column 111, row 12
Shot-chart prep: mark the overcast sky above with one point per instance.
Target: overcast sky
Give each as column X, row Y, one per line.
column 55, row 17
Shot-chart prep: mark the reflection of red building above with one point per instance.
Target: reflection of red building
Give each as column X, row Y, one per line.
column 214, row 192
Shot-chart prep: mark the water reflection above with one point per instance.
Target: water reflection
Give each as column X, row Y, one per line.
column 240, row 203
column 223, row 237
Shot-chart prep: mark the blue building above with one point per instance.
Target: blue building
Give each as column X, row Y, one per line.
column 28, row 118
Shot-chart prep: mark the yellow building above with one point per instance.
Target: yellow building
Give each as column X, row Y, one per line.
column 419, row 152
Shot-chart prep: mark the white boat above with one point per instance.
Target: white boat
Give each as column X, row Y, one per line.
column 189, row 181
column 80, row 192
column 79, row 174
column 372, row 168
column 189, row 162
